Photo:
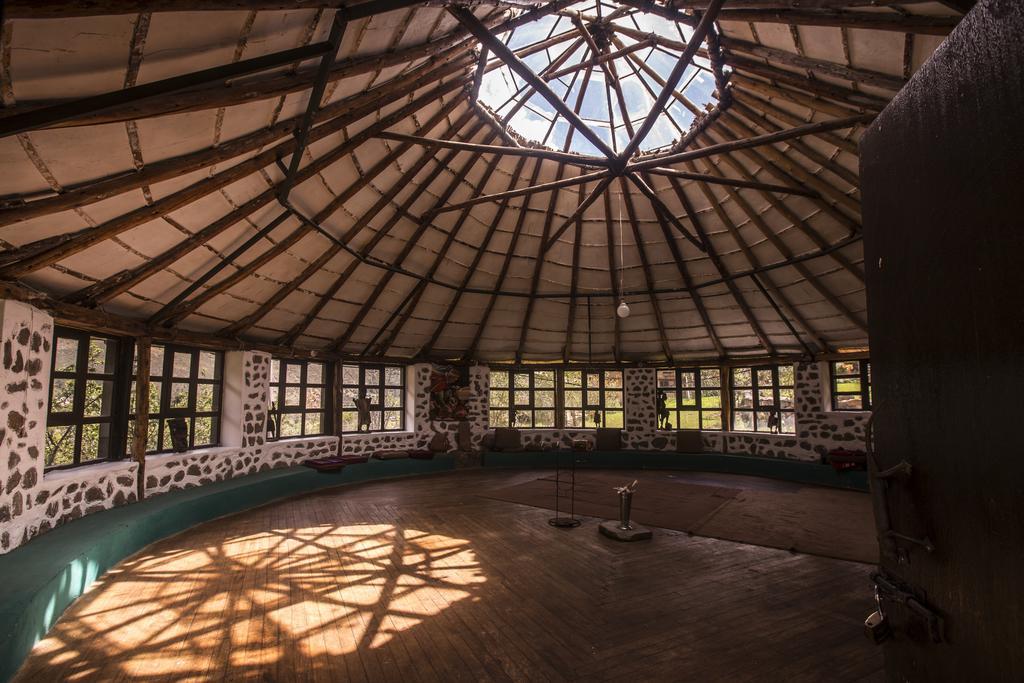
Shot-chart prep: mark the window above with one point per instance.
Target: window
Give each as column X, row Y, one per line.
column 299, row 398
column 183, row 383
column 539, row 398
column 851, row 385
column 693, row 397
column 383, row 386
column 763, row 399
column 593, row 398
column 84, row 393
column 523, row 398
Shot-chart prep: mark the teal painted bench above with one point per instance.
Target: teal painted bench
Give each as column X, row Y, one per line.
column 775, row 468
column 40, row 579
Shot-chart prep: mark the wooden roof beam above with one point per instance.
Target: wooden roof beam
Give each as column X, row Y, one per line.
column 551, row 155
column 733, row 182
column 582, row 179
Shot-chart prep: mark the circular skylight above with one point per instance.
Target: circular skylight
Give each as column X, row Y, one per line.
column 636, row 53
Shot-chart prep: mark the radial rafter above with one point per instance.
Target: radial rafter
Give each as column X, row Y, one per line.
column 757, row 162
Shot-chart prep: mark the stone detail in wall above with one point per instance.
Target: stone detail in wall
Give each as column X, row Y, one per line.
column 26, row 335
column 255, row 398
column 172, row 471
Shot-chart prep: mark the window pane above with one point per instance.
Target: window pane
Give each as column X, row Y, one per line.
column 203, row 431
column 762, row 420
column 688, row 419
column 179, row 395
column 208, row 365
column 67, row 355
column 60, row 445
column 156, row 361
column 673, row 420
column 743, row 398
column 522, row 380
column 593, row 380
column 348, row 397
column 788, row 423
column 371, row 376
column 292, row 373
column 848, row 385
column 393, row 377
column 687, row 379
column 544, row 418
column 154, row 396
column 98, row 398
column 523, row 418
column 765, row 397
column 764, row 378
column 666, row 379
column 153, row 436
column 349, row 421
column 573, row 379
column 275, row 371
column 710, row 377
column 544, row 399
column 101, row 356
column 591, row 418
column 613, row 379
column 315, row 373
column 847, row 367
column 688, row 397
column 612, row 399
column 314, row 398
column 711, row 398
column 392, row 420
column 573, row 399
column 743, row 420
column 593, row 397
column 544, row 379
column 292, row 396
column 499, row 418
column 741, row 377
column 206, row 398
column 314, row 424
column 63, row 398
column 499, row 399
column 613, row 418
column 375, row 421
column 350, row 374
column 182, row 364
column 786, row 398
column 291, row 424
column 499, row 379
column 574, row 419
column 849, row 402
column 711, row 420
column 522, row 398
column 373, row 395
column 786, row 375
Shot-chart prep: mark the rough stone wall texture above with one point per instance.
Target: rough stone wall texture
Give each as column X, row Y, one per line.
column 255, row 398
column 26, row 335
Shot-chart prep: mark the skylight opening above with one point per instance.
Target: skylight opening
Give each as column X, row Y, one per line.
column 644, row 48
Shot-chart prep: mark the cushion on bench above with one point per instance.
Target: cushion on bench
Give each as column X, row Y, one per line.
column 608, row 439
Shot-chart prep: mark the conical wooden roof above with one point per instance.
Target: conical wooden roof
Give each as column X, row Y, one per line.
column 176, row 204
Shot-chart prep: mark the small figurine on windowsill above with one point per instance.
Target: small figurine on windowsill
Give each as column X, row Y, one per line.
column 663, row 413
column 363, row 410
column 774, row 422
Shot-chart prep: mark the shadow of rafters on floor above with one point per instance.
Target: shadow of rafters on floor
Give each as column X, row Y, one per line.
column 424, row 580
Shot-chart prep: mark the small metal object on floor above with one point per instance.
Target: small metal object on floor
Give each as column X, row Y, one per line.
column 623, row 530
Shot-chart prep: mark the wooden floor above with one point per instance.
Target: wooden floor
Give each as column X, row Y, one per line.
column 423, row 580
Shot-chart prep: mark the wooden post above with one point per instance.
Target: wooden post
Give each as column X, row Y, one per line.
column 141, row 435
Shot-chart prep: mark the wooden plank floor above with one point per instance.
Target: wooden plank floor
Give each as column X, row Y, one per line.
column 423, row 580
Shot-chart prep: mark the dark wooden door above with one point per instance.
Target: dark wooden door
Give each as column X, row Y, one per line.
column 942, row 173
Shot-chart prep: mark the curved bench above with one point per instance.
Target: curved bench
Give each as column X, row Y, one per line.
column 44, row 576
column 774, row 468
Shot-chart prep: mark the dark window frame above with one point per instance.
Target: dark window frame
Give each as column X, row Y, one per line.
column 698, row 387
column 116, row 411
column 530, row 408
column 276, row 412
column 163, row 411
column 560, row 410
column 864, row 375
column 755, row 390
column 589, row 409
column 375, row 408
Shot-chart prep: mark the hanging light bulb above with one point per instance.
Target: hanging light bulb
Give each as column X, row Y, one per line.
column 623, row 310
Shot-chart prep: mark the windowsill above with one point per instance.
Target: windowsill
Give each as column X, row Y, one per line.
column 349, row 435
column 847, row 412
column 298, row 439
column 89, row 470
column 209, row 450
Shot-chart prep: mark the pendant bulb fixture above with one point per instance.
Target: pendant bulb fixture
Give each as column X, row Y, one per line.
column 623, row 310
